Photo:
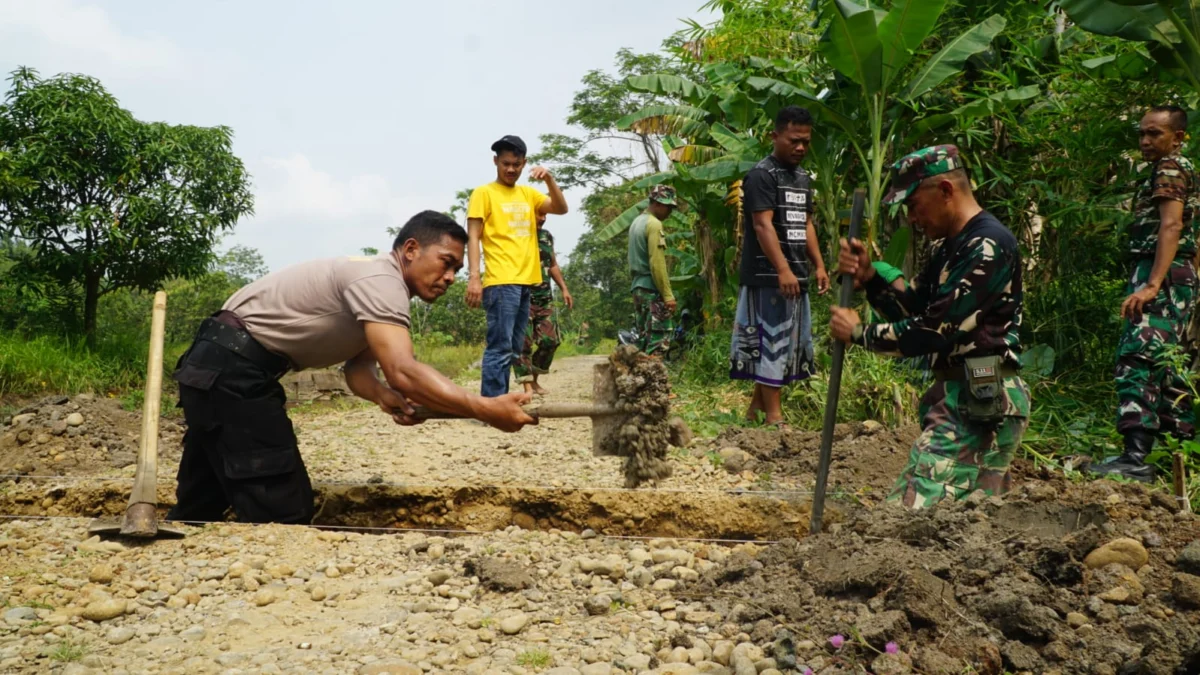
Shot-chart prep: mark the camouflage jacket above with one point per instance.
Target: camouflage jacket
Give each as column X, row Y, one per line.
column 966, row 302
column 542, row 294
column 1174, row 178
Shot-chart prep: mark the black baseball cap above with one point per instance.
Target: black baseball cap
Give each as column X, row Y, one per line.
column 509, row 143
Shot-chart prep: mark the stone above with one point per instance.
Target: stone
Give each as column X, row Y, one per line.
column 20, row 614
column 680, row 435
column 237, row 569
column 677, row 669
column 712, row 668
column 24, row 418
column 1128, row 552
column 1075, row 619
column 438, row 577
column 74, row 419
column 119, row 635
column 723, row 652
column 317, row 593
column 101, row 574
column 514, row 624
column 596, row 669
column 635, row 663
column 229, row 659
column 103, row 610
column 1188, row 559
column 884, row 627
column 499, row 575
column 561, row 670
column 264, row 597
column 597, row 604
column 890, row 664
column 193, row 634
column 1186, row 590
column 589, row 533
column 390, row 668
column 1020, row 656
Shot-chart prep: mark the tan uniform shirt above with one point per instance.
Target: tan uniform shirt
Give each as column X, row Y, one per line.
column 312, row 313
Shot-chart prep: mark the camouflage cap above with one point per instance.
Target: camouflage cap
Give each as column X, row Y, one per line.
column 914, row 167
column 663, row 194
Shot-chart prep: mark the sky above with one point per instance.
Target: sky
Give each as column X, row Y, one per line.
column 350, row 117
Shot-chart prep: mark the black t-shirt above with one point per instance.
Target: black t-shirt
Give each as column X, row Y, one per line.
column 787, row 192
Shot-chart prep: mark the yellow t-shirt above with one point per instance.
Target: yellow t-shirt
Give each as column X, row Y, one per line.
column 509, row 216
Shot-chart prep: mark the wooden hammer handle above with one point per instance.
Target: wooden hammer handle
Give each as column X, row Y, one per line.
column 145, row 482
column 539, row 410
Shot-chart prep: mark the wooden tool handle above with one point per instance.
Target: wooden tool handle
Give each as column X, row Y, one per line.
column 145, row 483
column 539, row 410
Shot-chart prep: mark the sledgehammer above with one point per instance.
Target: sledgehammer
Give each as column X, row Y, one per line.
column 606, row 417
column 835, row 377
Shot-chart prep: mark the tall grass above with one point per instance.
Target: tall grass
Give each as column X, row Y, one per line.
column 49, row 363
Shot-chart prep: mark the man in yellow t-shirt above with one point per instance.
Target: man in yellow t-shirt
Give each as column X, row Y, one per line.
column 503, row 215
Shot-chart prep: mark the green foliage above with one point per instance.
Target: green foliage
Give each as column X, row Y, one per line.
column 47, row 363
column 105, row 201
column 68, row 650
column 450, row 316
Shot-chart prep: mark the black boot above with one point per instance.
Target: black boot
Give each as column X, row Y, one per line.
column 1132, row 462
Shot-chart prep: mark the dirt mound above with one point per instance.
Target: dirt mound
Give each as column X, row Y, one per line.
column 62, row 435
column 1073, row 578
column 643, row 392
column 867, row 457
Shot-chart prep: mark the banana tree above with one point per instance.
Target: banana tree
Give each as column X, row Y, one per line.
column 878, row 97
column 1170, row 30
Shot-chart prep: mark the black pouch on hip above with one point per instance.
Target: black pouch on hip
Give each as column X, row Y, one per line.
column 985, row 390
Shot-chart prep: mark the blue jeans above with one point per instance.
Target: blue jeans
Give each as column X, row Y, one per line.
column 507, row 307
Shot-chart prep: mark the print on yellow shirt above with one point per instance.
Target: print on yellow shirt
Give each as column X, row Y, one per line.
column 510, row 252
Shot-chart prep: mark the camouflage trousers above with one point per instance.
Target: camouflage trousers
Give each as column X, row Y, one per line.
column 541, row 340
column 653, row 322
column 1152, row 393
column 953, row 457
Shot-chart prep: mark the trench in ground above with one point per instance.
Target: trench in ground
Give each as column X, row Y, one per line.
column 647, row 513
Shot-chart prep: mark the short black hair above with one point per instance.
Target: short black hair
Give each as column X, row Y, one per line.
column 509, row 147
column 793, row 114
column 1176, row 116
column 428, row 228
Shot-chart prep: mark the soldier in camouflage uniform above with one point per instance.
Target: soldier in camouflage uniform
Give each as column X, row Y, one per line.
column 541, row 334
column 1153, row 396
column 653, row 301
column 965, row 304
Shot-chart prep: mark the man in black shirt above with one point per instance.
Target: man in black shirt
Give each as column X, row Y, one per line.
column 772, row 333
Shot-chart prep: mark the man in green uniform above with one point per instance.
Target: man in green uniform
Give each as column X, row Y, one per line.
column 1153, row 398
column 653, row 302
column 542, row 331
column 964, row 311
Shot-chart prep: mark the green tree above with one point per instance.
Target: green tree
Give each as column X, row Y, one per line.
column 242, row 264
column 108, row 201
column 596, row 108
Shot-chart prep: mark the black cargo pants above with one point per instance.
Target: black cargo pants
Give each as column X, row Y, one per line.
column 239, row 449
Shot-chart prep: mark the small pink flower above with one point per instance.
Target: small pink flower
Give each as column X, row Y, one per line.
column 837, row 641
column 892, row 648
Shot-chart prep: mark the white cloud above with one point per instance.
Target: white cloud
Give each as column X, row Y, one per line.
column 77, row 34
column 302, row 212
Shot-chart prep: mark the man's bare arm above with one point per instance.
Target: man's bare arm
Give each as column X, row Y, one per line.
column 557, row 204
column 392, row 347
column 474, row 278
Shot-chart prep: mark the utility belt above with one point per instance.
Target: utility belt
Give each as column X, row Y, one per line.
column 225, row 329
column 984, row 393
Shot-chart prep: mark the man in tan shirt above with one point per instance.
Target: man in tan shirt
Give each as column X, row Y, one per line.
column 240, row 450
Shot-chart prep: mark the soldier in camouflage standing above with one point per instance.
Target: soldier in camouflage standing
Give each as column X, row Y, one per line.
column 1153, row 398
column 541, row 334
column 653, row 302
column 964, row 311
